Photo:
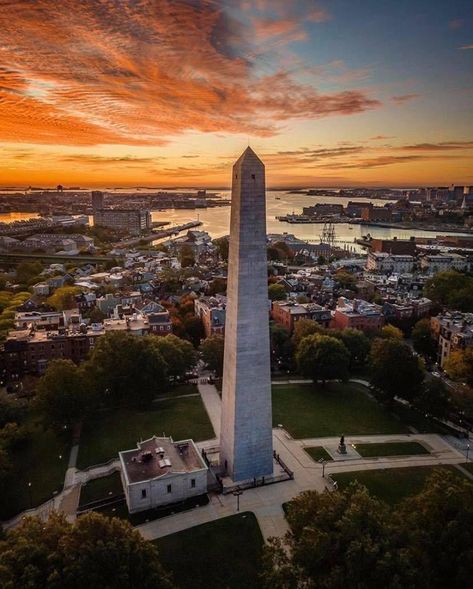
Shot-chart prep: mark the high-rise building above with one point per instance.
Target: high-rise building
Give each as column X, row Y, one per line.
column 246, row 427
column 97, row 200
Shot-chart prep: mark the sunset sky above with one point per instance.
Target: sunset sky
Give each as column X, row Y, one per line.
column 169, row 92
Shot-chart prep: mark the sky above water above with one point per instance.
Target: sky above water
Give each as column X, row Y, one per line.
column 169, row 92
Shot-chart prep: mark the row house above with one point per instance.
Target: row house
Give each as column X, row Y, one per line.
column 212, row 311
column 454, row 332
column 357, row 314
column 287, row 313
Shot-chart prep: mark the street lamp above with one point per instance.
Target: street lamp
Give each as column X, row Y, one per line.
column 29, row 494
column 467, row 451
column 237, row 492
column 323, row 462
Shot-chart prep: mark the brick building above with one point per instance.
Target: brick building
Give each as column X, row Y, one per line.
column 357, row 314
column 287, row 313
column 212, row 311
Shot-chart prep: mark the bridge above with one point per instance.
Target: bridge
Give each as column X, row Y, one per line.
column 52, row 258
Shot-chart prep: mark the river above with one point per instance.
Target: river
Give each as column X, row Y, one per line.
column 216, row 220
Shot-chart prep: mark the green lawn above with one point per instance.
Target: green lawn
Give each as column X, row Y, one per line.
column 312, row 411
column 101, row 488
column 391, row 449
column 102, row 438
column 317, row 453
column 222, row 554
column 391, row 484
column 181, row 389
column 468, row 466
column 43, row 463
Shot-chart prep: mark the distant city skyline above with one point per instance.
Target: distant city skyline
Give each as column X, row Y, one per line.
column 167, row 92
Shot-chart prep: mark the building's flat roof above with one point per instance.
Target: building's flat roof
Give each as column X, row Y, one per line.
column 147, row 462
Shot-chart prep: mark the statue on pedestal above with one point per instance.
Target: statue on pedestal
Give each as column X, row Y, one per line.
column 342, row 449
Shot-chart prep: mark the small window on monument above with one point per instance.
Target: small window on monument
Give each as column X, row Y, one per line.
column 143, row 493
column 236, row 176
column 253, row 177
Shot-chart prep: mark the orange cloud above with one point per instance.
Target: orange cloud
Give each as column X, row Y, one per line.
column 137, row 72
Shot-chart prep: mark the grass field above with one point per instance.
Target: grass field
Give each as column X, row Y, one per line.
column 111, row 432
column 311, row 411
column 391, row 484
column 468, row 466
column 222, row 554
column 101, row 488
column 391, row 449
column 317, row 453
column 43, row 463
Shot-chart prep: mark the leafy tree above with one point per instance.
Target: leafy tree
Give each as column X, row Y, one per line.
column 345, row 279
column 459, row 365
column 356, row 342
column 351, row 540
column 277, row 292
column 433, row 399
column 436, row 525
column 5, row 468
column 94, row 552
column 390, row 331
column 305, row 327
column 217, row 286
column 25, row 271
column 64, row 298
column 282, row 347
column 178, row 354
column 64, row 395
column 212, row 349
column 193, row 329
column 186, row 256
column 11, row 409
column 336, row 540
column 127, row 370
column 322, row 357
column 422, row 339
column 96, row 315
column 451, row 289
column 222, row 245
column 395, row 370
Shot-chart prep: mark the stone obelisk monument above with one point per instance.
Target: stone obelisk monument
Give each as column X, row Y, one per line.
column 246, row 449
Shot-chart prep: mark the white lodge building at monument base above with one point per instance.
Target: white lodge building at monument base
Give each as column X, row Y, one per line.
column 160, row 471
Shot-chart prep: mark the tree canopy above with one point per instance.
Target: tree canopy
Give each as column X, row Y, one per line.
column 459, row 365
column 277, row 292
column 212, row 353
column 65, row 395
column 451, row 289
column 179, row 354
column 391, row 331
column 352, row 540
column 95, row 552
column 305, row 327
column 322, row 357
column 356, row 342
column 422, row 339
column 395, row 370
column 64, row 298
column 127, row 370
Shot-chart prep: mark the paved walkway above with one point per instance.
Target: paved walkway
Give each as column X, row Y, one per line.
column 265, row 502
column 213, row 405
